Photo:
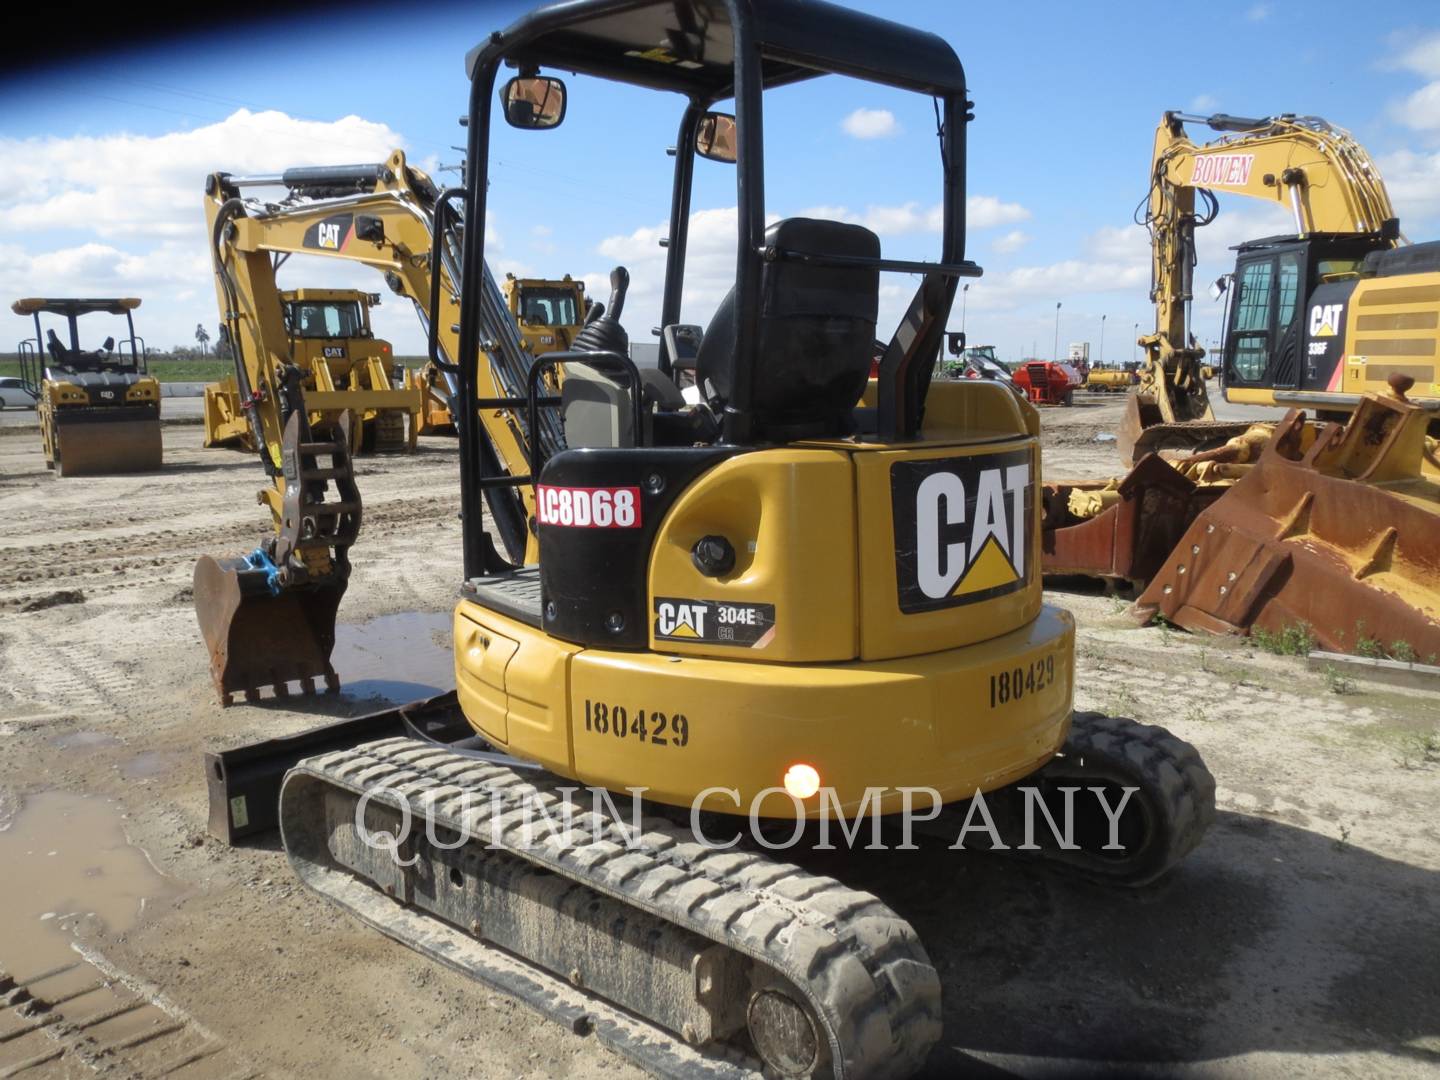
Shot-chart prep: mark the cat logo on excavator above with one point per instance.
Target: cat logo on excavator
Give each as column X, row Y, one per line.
column 961, row 526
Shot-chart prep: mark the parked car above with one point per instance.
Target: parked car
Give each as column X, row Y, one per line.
column 14, row 394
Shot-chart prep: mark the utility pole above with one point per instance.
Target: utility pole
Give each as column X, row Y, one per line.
column 1137, row 341
column 964, row 296
column 1101, row 361
column 1055, row 353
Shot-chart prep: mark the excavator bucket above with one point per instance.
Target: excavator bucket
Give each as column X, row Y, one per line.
column 104, row 446
column 1143, row 431
column 1344, row 538
column 259, row 638
column 267, row 618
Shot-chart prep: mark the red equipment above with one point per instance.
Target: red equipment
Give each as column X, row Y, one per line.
column 1045, row 383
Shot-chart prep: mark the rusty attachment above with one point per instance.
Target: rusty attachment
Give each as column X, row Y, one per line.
column 1342, row 536
column 1143, row 430
column 1127, row 541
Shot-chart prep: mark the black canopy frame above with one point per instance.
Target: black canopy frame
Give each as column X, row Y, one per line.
column 709, row 51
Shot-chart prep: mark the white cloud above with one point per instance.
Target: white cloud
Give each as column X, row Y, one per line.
column 981, row 212
column 1422, row 57
column 540, row 230
column 1013, row 240
column 871, row 124
column 986, row 212
column 1258, row 13
column 1421, row 110
column 1203, row 104
column 1413, row 180
column 122, row 213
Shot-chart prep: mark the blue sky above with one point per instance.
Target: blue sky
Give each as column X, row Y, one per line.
column 103, row 161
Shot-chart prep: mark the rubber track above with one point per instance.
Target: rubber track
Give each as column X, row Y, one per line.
column 1170, row 768
column 863, row 969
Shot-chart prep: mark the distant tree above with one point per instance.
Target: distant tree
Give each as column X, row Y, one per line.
column 202, row 336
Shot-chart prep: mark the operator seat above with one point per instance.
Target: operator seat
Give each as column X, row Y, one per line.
column 58, row 351
column 815, row 334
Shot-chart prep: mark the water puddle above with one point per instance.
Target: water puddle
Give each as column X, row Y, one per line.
column 77, row 740
column 396, row 657
column 150, row 764
column 64, row 858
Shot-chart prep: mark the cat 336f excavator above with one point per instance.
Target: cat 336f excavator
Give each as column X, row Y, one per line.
column 1314, row 319
column 812, row 587
column 1333, row 523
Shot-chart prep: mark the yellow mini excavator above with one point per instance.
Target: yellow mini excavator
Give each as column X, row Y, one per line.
column 330, row 339
column 812, row 588
column 268, row 617
column 99, row 409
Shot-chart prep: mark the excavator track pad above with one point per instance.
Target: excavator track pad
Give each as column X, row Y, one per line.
column 734, row 960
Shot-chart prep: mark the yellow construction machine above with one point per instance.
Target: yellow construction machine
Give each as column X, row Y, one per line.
column 550, row 313
column 99, row 409
column 268, row 618
column 813, row 592
column 1315, row 319
column 331, row 340
column 1334, row 523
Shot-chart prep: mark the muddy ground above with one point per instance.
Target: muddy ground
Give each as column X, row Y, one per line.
column 1302, row 938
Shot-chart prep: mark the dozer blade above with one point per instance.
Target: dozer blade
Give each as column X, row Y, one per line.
column 103, row 446
column 259, row 638
column 1340, row 540
column 1143, row 431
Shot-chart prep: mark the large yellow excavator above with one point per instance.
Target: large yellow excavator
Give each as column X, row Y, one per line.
column 1314, row 319
column 1332, row 523
column 812, row 593
column 333, row 344
column 99, row 409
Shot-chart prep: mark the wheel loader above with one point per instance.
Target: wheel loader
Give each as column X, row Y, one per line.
column 99, row 409
column 809, row 595
column 329, row 337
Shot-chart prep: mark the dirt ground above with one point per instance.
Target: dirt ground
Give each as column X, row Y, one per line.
column 1300, row 939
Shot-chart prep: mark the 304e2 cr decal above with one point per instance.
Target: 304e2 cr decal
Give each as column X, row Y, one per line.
column 588, row 508
column 962, row 528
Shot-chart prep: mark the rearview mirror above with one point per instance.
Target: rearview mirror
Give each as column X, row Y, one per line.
column 1220, row 287
column 534, row 102
column 715, row 137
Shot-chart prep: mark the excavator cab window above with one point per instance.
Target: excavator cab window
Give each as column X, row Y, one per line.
column 325, row 319
column 548, row 307
column 1263, row 315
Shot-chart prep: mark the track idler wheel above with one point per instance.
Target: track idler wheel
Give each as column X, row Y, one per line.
column 1170, row 805
column 260, row 638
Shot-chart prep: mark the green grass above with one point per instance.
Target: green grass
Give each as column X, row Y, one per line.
column 1294, row 640
column 164, row 370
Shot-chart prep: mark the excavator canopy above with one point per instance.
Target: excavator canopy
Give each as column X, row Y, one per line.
column 32, row 305
column 688, row 46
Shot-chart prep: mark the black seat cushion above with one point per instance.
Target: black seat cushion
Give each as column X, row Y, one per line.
column 816, row 333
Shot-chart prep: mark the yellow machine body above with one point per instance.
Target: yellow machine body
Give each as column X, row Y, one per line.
column 959, row 699
column 86, row 436
column 549, row 312
column 354, row 372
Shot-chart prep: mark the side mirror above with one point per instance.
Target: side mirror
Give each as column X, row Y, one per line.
column 1220, row 287
column 533, row 102
column 715, row 137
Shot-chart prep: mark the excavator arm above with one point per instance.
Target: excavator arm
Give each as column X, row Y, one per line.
column 1316, row 171
column 268, row 617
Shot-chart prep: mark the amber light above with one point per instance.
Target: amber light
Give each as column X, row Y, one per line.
column 802, row 781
